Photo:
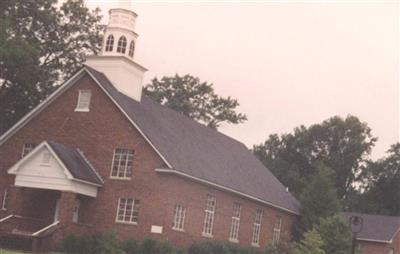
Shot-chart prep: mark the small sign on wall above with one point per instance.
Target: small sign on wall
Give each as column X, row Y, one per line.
column 156, row 229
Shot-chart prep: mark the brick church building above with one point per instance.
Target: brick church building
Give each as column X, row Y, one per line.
column 98, row 155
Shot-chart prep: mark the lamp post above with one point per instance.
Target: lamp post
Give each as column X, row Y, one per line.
column 356, row 224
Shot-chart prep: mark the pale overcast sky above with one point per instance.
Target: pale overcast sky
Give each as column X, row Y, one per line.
column 287, row 63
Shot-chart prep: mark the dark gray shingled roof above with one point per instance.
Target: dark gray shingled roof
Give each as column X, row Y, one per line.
column 201, row 152
column 378, row 228
column 76, row 163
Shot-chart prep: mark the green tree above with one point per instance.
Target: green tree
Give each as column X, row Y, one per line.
column 194, row 99
column 335, row 233
column 319, row 200
column 382, row 186
column 311, row 244
column 343, row 145
column 41, row 45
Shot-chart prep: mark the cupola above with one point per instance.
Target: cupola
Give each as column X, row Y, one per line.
column 117, row 53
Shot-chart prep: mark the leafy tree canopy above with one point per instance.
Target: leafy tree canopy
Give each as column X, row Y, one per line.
column 194, row 99
column 341, row 144
column 382, row 186
column 40, row 45
column 335, row 233
column 319, row 200
column 311, row 244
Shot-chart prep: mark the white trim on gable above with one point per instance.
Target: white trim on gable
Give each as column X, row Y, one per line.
column 24, row 120
column 32, row 173
column 131, row 120
column 21, row 123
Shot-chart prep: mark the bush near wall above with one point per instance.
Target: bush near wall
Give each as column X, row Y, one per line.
column 107, row 243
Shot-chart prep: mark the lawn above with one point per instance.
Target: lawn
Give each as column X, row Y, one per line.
column 9, row 252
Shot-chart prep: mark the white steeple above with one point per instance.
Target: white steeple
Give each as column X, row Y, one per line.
column 117, row 52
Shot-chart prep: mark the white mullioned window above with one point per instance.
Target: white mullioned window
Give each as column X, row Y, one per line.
column 255, row 239
column 6, row 196
column 83, row 101
column 121, row 47
column 127, row 210
column 209, row 215
column 122, row 163
column 234, row 234
column 110, row 43
column 27, row 148
column 179, row 218
column 277, row 231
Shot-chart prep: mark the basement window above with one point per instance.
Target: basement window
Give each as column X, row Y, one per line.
column 83, row 101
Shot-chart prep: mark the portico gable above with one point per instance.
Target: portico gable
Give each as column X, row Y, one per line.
column 55, row 166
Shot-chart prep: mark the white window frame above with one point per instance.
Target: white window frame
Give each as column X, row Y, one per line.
column 179, row 218
column 5, row 198
column 255, row 239
column 209, row 214
column 130, row 216
column 83, row 106
column 129, row 159
column 109, row 43
column 27, row 148
column 235, row 225
column 277, row 231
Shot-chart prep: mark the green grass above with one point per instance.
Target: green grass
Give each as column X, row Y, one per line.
column 9, row 252
column 17, row 252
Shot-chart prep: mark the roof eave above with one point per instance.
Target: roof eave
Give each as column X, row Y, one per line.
column 180, row 173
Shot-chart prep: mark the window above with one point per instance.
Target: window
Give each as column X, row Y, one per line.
column 110, row 43
column 6, row 196
column 209, row 215
column 121, row 45
column 122, row 163
column 179, row 218
column 234, row 234
column 83, row 100
column 128, row 210
column 131, row 48
column 75, row 213
column 277, row 231
column 255, row 240
column 27, row 148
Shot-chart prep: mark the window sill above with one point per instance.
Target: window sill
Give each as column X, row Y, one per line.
column 126, row 222
column 255, row 245
column 120, row 178
column 233, row 240
column 207, row 235
column 178, row 230
column 82, row 110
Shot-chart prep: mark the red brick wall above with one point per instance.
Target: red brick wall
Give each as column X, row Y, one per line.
column 381, row 248
column 97, row 133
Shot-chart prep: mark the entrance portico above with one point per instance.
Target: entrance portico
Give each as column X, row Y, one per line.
column 51, row 185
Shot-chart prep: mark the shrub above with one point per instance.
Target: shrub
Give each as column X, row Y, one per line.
column 131, row 246
column 105, row 243
column 149, row 246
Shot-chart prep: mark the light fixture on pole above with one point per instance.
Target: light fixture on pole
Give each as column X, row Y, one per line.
column 356, row 224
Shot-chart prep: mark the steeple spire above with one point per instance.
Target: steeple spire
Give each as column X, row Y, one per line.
column 117, row 53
